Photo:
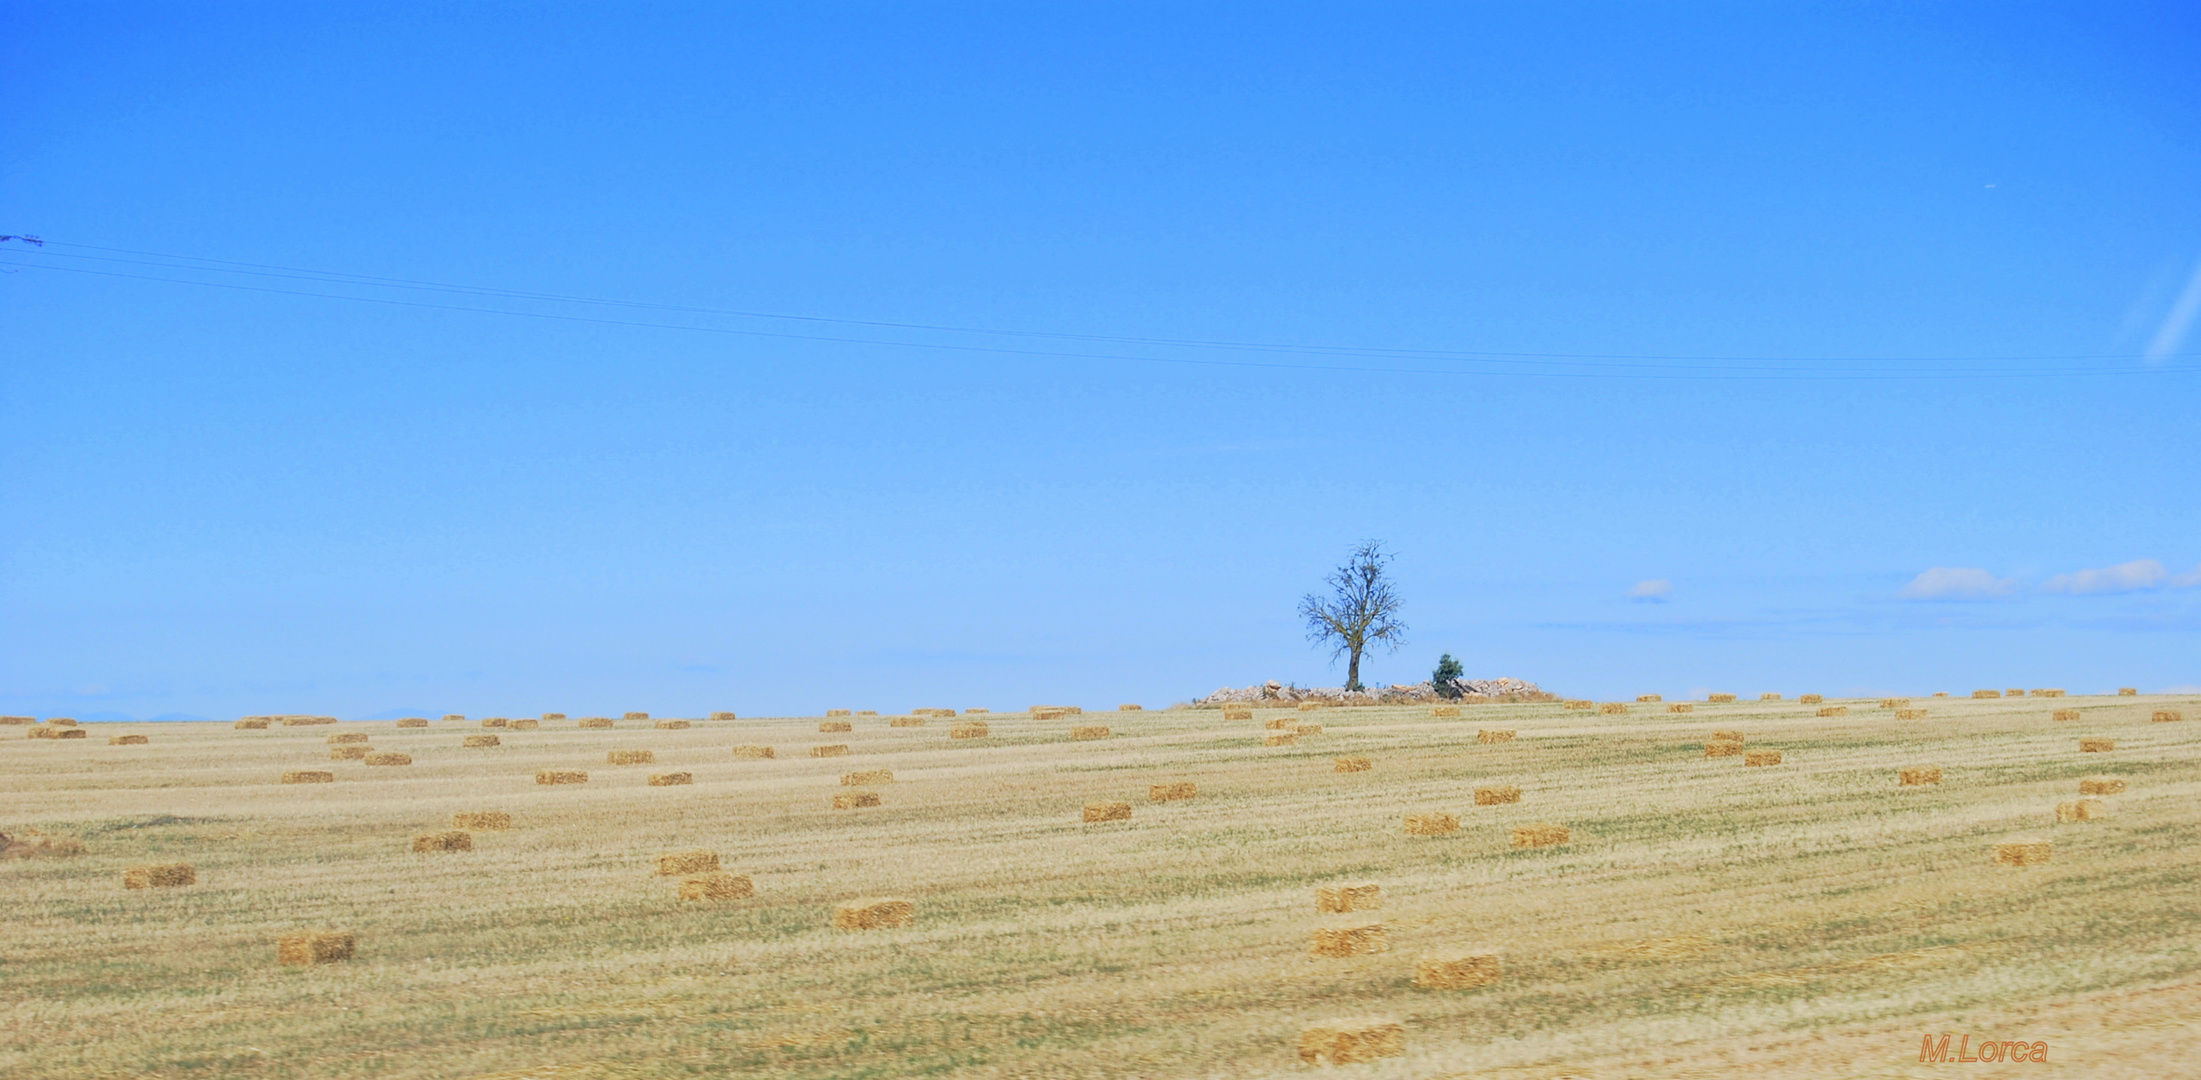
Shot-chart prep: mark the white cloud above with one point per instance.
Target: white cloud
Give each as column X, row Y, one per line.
column 2123, row 577
column 1653, row 591
column 2172, row 334
column 1957, row 583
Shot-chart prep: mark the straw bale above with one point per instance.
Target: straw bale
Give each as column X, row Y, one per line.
column 2080, row 810
column 2128, row 691
column 675, row 863
column 453, row 840
column 1613, row 708
column 1457, row 971
column 299, row 721
column 342, row 737
column 1350, row 940
column 1835, row 710
column 1349, row 1042
column 549, row 717
column 1282, row 738
column 1237, row 712
column 1895, row 703
column 2167, row 716
column 478, row 741
column 1444, row 712
column 308, row 776
column 1130, row 708
column 1432, row 823
column 2031, row 853
column 837, row 712
column 251, row 723
column 1720, row 699
column 906, row 721
column 830, row 750
column 753, row 752
column 2097, row 746
column 525, row 725
column 2047, row 693
column 873, row 914
column 1107, row 811
column 1681, row 707
column 349, row 753
column 12, row 848
column 854, row 799
column 1307, row 729
column 1646, row 699
column 1090, row 731
column 1491, row 735
column 127, row 740
column 17, row 721
column 631, row 757
column 1497, row 795
column 389, row 757
column 635, row 716
column 1311, row 706
column 1762, row 757
column 2065, row 714
column 1183, row 789
column 595, row 722
column 1354, row 764
column 159, row 876
column 672, row 725
column 2014, row 692
column 1735, row 737
column 969, row 729
column 1043, row 712
column 2101, row 785
column 482, row 820
column 61, row 721
column 1368, row 897
column 974, row 712
column 325, row 947
column 1811, row 699
column 413, row 721
column 1919, row 776
column 1984, row 694
column 1541, row 835
column 1580, row 706
column 453, row 718
column 494, row 721
column 1722, row 748
column 1769, row 697
column 671, row 779
column 70, row 733
column 867, row 712
column 835, row 726
column 1910, row 714
column 717, row 885
column 560, row 776
column 724, row 716
column 1278, row 723
column 867, row 776
column 41, row 731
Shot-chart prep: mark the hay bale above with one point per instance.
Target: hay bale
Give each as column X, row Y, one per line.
column 1130, row 708
column 1432, row 823
column 251, row 723
column 2080, row 810
column 1541, row 835
column 160, row 876
column 549, row 717
column 855, row 799
column 1171, row 792
column 1910, row 714
column 1282, row 738
column 1985, row 694
column 61, row 721
column 325, row 947
column 1043, row 712
column 1354, row 764
column 70, row 733
column 475, row 742
column 453, row 718
column 1646, row 699
column 718, row 885
column 453, row 840
column 1722, row 748
column 413, row 721
column 2167, row 716
column 127, row 740
column 1811, row 699
column 2014, row 692
column 1349, row 898
column 494, row 721
column 1306, row 729
column 830, row 727
column 832, row 750
column 2027, row 853
column 525, row 725
column 12, row 848
column 879, row 914
column 1237, row 712
column 753, row 753
column 1835, row 710
column 724, row 716
column 1350, row 940
column 2101, row 785
column 19, row 721
column 671, row 779
column 482, row 820
column 1681, row 707
column 1919, row 776
column 299, row 721
column 1497, row 795
column 1350, row 1042
column 1613, row 708
column 2065, row 714
column 1720, row 699
column 1278, row 723
column 1488, row 735
column 635, row 716
column 389, row 757
column 867, row 712
column 2128, row 691
column 1107, row 811
column 1457, row 971
column 595, row 722
column 969, row 729
column 1444, row 712
column 631, row 757
column 2097, row 746
column 1579, row 706
column 1769, row 697
column 1735, row 737
column 2047, row 693
column 41, row 731
column 342, row 738
column 867, row 776
column 308, row 776
column 973, row 712
column 1895, row 703
column 906, row 721
column 1090, row 731
column 349, row 753
column 672, row 725
column 1757, row 758
column 560, row 776
column 836, row 712
column 676, row 863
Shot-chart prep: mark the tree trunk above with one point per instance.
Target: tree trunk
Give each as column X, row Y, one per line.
column 1352, row 670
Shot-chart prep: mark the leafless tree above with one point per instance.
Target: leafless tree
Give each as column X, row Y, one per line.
column 1362, row 609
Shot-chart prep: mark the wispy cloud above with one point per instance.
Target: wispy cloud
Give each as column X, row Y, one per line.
column 2172, row 334
column 2123, row 577
column 1652, row 591
column 2187, row 580
column 1957, row 583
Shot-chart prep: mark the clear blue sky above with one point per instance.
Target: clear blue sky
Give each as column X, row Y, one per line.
column 1868, row 330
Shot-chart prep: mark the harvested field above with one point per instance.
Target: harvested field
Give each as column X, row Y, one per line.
column 1804, row 921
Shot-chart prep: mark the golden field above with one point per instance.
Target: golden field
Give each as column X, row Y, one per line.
column 1705, row 918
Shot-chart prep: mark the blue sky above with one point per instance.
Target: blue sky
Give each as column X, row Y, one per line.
column 1745, row 347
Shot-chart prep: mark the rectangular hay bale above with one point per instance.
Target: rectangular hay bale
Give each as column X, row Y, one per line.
column 560, row 776
column 1613, row 708
column 1646, row 699
column 450, row 840
column 754, row 753
column 881, row 914
column 1762, row 757
column 1349, row 940
column 1171, row 792
column 672, row 725
column 1350, row 1042
column 675, row 863
column 1457, row 971
column 127, row 740
column 482, row 820
column 2030, row 853
column 1919, row 776
column 717, row 885
column 1354, row 764
column 308, row 776
column 2097, row 746
column 1444, row 712
column 1107, row 811
column 2079, row 810
column 1285, row 738
column 1432, row 823
column 630, row 757
column 1835, row 710
column 325, row 947
column 906, row 721
column 1541, row 836
column 1489, row 735
column 830, row 750
column 1681, row 707
column 834, row 726
column 389, row 757
column 2167, row 716
column 671, row 779
column 1497, row 795
column 854, row 800
column 349, row 753
column 1342, row 898
column 1811, row 699
column 1089, row 731
column 594, row 722
column 160, row 876
column 969, row 729
column 476, row 742
column 1720, row 699
column 867, row 776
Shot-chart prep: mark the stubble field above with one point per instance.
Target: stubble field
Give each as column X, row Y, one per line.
column 1707, row 918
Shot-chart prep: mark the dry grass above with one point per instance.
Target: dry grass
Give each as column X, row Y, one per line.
column 863, row 777
column 1769, row 697
column 754, row 753
column 560, row 776
column 1895, row 703
column 349, row 753
column 2079, row 810
column 906, row 721
column 673, row 725
column 1282, row 738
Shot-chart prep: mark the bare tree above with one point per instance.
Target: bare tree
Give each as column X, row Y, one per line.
column 1363, row 609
